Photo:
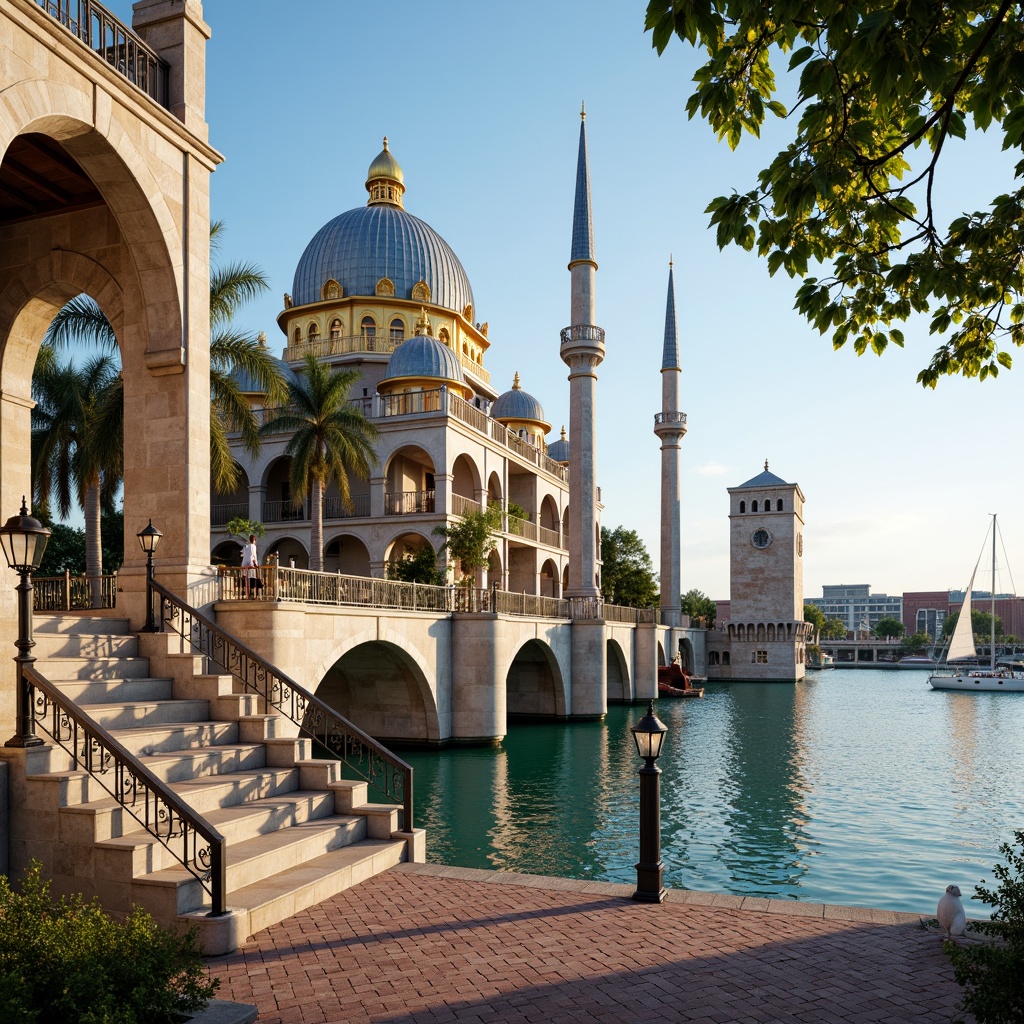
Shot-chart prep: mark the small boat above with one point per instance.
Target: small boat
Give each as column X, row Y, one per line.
column 674, row 682
column 971, row 676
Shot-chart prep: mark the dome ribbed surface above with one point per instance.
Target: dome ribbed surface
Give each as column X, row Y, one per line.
column 559, row 451
column 517, row 405
column 361, row 246
column 423, row 356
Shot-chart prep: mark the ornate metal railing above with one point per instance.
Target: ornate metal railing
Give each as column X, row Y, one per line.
column 221, row 515
column 507, row 603
column 360, row 752
column 334, row 507
column 71, row 593
column 114, row 42
column 405, row 503
column 284, row 512
column 191, row 840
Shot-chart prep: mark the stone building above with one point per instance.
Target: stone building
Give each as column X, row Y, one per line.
column 380, row 292
column 765, row 635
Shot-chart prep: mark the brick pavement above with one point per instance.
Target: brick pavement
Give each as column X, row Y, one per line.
column 424, row 944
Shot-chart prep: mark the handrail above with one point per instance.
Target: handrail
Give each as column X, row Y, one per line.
column 164, row 815
column 370, row 760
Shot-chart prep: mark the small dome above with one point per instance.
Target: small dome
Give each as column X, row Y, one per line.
column 518, row 406
column 559, row 450
column 424, row 357
column 384, row 166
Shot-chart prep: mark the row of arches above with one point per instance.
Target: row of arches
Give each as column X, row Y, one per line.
column 764, row 631
column 766, row 505
column 380, row 687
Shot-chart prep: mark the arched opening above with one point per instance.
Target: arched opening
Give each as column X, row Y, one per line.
column 397, row 330
column 617, row 688
column 368, row 328
column 347, row 555
column 380, row 688
column 778, row 505
column 534, row 683
column 493, row 488
column 743, row 506
column 753, row 506
column 565, row 577
column 549, row 521
column 278, row 506
column 409, row 483
column 405, row 546
column 465, row 485
column 687, row 660
column 661, row 654
column 227, row 552
column 494, row 573
column 225, row 507
column 290, row 553
column 335, row 329
column 549, row 579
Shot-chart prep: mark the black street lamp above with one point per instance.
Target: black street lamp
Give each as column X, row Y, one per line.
column 649, row 734
column 149, row 538
column 23, row 539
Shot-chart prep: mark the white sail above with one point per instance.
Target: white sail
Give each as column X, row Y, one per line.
column 961, row 643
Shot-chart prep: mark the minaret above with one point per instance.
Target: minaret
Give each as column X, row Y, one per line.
column 582, row 351
column 670, row 426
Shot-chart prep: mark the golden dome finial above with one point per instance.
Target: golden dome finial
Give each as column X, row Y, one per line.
column 766, row 465
column 563, row 431
column 515, row 382
column 583, row 111
column 384, row 180
column 385, row 142
column 670, row 261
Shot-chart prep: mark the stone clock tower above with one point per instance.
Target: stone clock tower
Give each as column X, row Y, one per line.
column 765, row 636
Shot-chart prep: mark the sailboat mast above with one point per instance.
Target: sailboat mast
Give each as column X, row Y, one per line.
column 993, row 596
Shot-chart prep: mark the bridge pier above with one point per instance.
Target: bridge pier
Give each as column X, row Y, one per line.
column 479, row 697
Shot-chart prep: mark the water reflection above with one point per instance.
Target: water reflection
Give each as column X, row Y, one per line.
column 861, row 787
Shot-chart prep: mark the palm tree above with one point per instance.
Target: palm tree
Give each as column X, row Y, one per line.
column 232, row 353
column 331, row 438
column 77, row 449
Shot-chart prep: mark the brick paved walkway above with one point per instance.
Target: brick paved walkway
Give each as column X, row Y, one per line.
column 428, row 944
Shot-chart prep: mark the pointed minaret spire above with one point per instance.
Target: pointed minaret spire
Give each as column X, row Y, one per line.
column 582, row 225
column 670, row 426
column 670, row 352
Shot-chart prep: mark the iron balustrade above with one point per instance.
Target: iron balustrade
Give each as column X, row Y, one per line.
column 188, row 837
column 359, row 751
column 115, row 43
column 70, row 593
column 583, row 333
column 407, row 503
column 670, row 417
column 221, row 515
column 508, row 603
column 284, row 512
column 461, row 504
column 334, row 507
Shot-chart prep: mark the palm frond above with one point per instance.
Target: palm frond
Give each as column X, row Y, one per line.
column 232, row 286
column 224, row 471
column 80, row 320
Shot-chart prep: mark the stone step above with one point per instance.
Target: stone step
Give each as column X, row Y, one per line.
column 176, row 737
column 85, row 645
column 282, row 895
column 174, row 890
column 57, row 669
column 89, row 624
column 207, row 762
column 134, row 852
column 107, row 691
column 143, row 714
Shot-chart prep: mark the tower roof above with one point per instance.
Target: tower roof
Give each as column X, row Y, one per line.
column 582, row 223
column 765, row 479
column 670, row 354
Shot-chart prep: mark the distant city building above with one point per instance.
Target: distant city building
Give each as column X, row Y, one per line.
column 856, row 607
column 925, row 612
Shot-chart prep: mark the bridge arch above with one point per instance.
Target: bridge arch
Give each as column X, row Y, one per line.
column 383, row 688
column 619, row 688
column 534, row 687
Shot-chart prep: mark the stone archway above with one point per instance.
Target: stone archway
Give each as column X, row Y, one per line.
column 619, row 689
column 534, row 687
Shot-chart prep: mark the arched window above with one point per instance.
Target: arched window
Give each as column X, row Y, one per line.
column 743, row 506
column 397, row 329
column 313, row 332
column 713, row 658
column 442, row 336
column 725, row 657
column 368, row 331
column 298, row 335
column 335, row 328
column 753, row 506
column 778, row 505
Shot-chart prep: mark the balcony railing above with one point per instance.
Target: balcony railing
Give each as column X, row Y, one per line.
column 407, row 503
column 70, row 593
column 113, row 42
column 354, row 344
column 284, row 512
column 334, row 507
column 460, row 504
column 221, row 515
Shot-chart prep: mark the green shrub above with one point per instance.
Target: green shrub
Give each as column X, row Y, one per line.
column 992, row 973
column 66, row 962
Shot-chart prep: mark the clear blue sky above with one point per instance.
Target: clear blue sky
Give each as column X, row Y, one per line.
column 481, row 106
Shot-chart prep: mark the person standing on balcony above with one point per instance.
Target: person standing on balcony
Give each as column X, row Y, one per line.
column 250, row 562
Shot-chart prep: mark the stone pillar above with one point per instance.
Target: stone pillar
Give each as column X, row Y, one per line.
column 257, row 492
column 443, row 493
column 645, row 661
column 478, row 652
column 377, row 488
column 589, row 671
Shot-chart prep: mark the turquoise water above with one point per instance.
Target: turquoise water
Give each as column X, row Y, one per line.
column 857, row 787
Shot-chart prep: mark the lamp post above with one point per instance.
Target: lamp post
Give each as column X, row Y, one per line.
column 24, row 539
column 149, row 538
column 649, row 734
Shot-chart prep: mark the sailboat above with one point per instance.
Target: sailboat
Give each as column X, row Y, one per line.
column 993, row 679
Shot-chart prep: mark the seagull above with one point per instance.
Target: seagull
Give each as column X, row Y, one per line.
column 950, row 912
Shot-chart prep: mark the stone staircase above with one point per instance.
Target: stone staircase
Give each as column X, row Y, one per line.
column 295, row 832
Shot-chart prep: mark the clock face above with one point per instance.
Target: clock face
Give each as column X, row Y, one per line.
column 761, row 538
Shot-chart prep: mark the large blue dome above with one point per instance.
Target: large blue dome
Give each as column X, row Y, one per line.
column 361, row 246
